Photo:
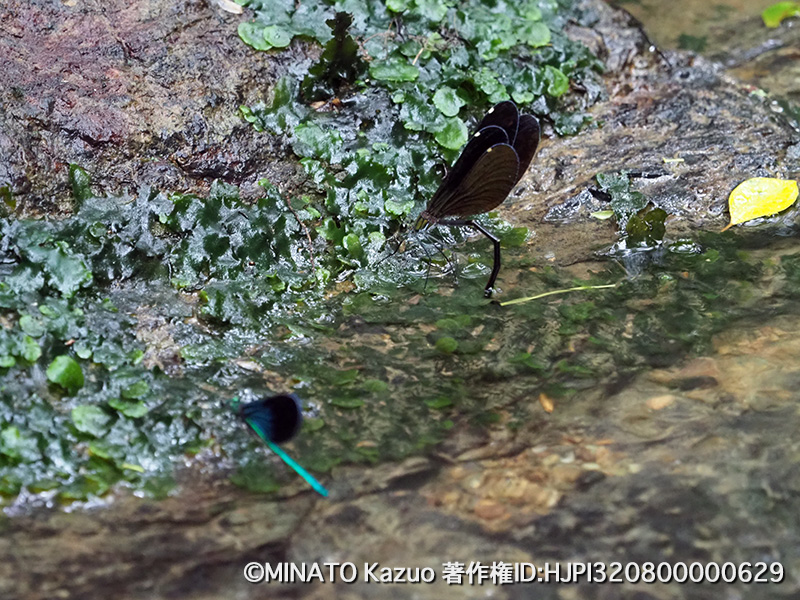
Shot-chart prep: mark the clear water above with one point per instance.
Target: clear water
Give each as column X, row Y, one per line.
column 685, row 23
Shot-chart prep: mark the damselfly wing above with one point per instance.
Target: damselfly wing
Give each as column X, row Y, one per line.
column 277, row 419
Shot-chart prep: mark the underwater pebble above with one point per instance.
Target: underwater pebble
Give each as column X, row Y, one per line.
column 490, row 510
column 660, row 402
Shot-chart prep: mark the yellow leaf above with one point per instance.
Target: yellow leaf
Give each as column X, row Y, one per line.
column 760, row 197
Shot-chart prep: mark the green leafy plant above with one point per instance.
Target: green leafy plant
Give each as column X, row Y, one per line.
column 66, row 372
column 643, row 225
column 340, row 64
column 774, row 15
column 647, row 227
column 374, row 160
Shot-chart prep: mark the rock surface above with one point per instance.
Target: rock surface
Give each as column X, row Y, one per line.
column 687, row 109
column 136, row 93
column 673, row 467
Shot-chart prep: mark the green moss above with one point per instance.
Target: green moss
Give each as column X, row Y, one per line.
column 446, row 345
column 80, row 182
column 255, row 477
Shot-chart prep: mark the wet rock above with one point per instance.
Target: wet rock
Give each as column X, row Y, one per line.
column 689, row 109
column 142, row 93
column 660, row 402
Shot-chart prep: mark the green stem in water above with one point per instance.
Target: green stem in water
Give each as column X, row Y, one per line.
column 554, row 292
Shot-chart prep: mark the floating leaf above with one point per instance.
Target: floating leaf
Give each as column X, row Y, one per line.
column 773, row 15
column 345, row 377
column 760, row 197
column 255, row 478
column 375, row 385
column 450, row 324
column 438, row 403
column 646, row 228
column 691, row 42
column 311, row 424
